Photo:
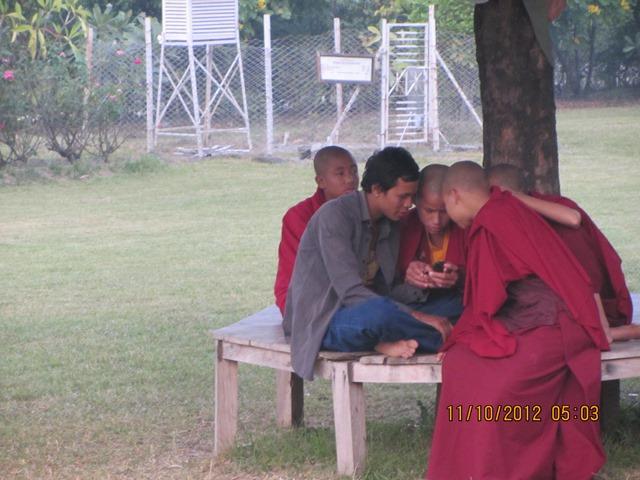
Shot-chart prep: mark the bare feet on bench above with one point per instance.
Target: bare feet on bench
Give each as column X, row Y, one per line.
column 401, row 348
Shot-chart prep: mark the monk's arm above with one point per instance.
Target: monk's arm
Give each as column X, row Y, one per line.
column 287, row 250
column 562, row 214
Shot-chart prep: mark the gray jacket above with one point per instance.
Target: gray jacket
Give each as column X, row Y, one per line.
column 328, row 273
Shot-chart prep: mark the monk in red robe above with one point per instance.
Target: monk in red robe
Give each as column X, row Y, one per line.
column 521, row 369
column 590, row 247
column 336, row 174
column 432, row 251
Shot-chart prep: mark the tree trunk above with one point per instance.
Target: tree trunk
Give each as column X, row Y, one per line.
column 516, row 88
column 592, row 51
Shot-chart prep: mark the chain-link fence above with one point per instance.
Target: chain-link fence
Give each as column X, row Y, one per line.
column 305, row 110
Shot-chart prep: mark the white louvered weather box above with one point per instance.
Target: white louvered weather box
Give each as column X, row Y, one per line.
column 204, row 22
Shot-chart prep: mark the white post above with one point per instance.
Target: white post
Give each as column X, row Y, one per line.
column 337, row 47
column 425, row 88
column 245, row 113
column 267, row 82
column 88, row 87
column 434, row 124
column 159, row 93
column 207, row 94
column 384, row 83
column 194, row 98
column 148, row 50
column 89, row 51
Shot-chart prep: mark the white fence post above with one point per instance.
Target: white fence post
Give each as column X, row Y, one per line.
column 267, row 82
column 149, row 71
column 337, row 48
column 384, row 83
column 433, row 83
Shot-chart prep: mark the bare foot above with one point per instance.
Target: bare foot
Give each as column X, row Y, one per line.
column 401, row 348
column 441, row 324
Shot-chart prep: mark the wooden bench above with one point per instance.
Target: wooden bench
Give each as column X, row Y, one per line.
column 259, row 340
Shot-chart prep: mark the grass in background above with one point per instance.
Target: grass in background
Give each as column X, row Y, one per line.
column 109, row 286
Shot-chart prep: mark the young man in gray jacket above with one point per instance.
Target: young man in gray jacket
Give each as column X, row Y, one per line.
column 339, row 295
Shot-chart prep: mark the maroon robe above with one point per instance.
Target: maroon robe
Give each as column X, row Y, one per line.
column 413, row 242
column 599, row 259
column 530, row 367
column 294, row 223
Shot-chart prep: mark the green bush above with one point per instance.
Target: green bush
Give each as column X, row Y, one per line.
column 18, row 120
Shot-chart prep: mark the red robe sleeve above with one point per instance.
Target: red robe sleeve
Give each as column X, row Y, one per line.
column 601, row 261
column 294, row 223
column 411, row 238
column 507, row 242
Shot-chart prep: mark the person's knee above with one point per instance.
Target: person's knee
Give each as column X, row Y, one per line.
column 380, row 314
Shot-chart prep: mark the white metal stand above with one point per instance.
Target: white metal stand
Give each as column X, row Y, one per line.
column 198, row 26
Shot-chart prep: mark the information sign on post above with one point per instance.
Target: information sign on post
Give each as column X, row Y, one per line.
column 345, row 68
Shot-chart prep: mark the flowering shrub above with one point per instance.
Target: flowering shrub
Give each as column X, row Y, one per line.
column 18, row 121
column 47, row 95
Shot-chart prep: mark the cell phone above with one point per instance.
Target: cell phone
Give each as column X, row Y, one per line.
column 438, row 266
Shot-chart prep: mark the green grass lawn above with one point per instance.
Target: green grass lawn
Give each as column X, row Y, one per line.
column 109, row 285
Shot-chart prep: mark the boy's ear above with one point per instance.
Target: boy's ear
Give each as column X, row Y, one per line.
column 456, row 196
column 320, row 181
column 376, row 189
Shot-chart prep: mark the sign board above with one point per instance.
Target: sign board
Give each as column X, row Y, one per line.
column 345, row 68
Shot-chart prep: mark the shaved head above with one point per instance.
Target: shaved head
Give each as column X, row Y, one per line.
column 431, row 178
column 465, row 190
column 507, row 177
column 325, row 154
column 466, row 176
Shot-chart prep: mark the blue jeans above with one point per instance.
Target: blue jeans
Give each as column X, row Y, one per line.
column 444, row 302
column 361, row 327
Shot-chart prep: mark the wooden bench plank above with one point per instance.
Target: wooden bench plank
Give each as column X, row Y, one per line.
column 630, row 348
column 257, row 356
column 405, row 373
column 419, row 359
column 621, row 368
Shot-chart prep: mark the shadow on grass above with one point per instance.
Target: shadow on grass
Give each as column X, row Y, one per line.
column 622, row 446
column 395, row 451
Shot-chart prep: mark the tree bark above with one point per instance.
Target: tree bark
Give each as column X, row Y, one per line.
column 592, row 51
column 516, row 88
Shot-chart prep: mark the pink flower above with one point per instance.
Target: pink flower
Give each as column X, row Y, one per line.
column 119, row 53
column 8, row 75
column 2, row 125
column 62, row 54
column 137, row 61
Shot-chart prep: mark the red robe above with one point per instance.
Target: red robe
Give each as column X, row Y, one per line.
column 413, row 240
column 600, row 260
column 487, row 366
column 293, row 224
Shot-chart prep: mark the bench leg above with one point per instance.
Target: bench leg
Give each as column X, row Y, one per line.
column 289, row 399
column 226, row 402
column 349, row 420
column 609, row 404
